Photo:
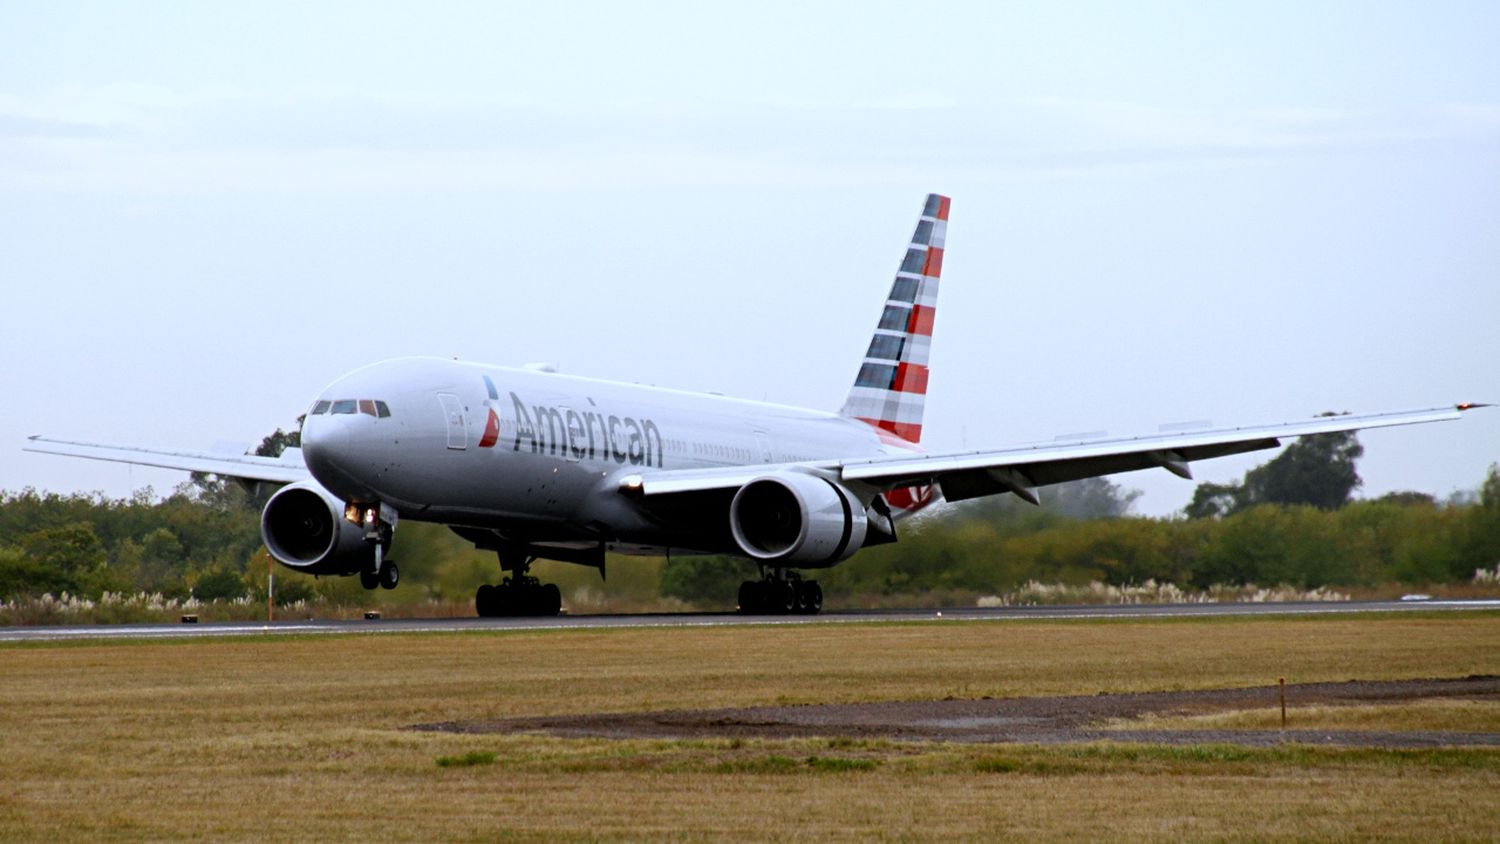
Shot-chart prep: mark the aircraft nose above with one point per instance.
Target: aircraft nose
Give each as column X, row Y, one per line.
column 325, row 444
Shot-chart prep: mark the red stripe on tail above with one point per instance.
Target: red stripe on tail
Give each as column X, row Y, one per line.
column 934, row 266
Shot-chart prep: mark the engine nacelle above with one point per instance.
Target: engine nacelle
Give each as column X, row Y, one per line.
column 797, row 519
column 304, row 528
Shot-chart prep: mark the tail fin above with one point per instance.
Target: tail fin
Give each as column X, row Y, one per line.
column 891, row 387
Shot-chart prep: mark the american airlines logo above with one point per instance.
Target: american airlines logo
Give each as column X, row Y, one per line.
column 588, row 434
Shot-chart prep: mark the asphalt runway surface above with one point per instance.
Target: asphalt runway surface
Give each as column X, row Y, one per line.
column 455, row 625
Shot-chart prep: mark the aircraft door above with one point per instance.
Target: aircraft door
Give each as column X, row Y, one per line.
column 453, row 414
column 763, row 444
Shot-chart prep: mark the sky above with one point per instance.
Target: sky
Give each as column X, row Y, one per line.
column 1162, row 212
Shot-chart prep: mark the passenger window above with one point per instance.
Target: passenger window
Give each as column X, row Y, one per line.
column 345, row 406
column 320, row 408
column 382, row 410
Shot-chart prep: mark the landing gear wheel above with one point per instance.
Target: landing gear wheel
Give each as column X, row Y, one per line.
column 783, row 596
column 389, row 575
column 485, row 601
column 780, row 595
column 369, row 579
column 551, row 600
column 749, row 598
column 809, row 597
column 517, row 595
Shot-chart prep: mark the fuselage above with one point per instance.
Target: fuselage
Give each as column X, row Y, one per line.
column 544, row 453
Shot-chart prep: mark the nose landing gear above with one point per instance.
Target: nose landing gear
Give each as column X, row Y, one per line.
column 782, row 593
column 388, row 576
column 383, row 573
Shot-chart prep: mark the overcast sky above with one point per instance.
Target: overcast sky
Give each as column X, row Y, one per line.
column 1161, row 212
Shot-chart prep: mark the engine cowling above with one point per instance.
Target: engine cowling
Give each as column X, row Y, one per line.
column 797, row 519
column 304, row 528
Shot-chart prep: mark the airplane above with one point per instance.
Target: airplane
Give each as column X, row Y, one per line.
column 533, row 464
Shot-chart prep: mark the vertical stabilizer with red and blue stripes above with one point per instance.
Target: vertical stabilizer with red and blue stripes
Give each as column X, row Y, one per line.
column 891, row 388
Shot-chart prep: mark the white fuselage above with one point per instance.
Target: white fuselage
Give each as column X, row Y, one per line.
column 542, row 453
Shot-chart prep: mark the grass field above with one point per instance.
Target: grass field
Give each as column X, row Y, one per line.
column 305, row 739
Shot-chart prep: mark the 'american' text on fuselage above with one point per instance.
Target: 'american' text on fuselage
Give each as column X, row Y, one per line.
column 589, row 434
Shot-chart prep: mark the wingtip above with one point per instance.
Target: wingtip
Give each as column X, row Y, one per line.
column 1470, row 405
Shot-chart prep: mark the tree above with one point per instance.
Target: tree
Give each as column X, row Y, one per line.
column 1211, row 500
column 76, row 559
column 72, row 549
column 1409, row 498
column 217, row 491
column 1482, row 542
column 705, row 579
column 219, row 584
column 22, row 575
column 1089, row 498
column 1317, row 470
column 160, row 562
column 279, row 441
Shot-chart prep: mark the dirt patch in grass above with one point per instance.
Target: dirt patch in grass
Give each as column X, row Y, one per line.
column 1040, row 720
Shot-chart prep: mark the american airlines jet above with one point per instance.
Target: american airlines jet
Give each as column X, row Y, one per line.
column 534, row 464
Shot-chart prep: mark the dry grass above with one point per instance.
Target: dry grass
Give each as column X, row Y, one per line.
column 1443, row 714
column 302, row 738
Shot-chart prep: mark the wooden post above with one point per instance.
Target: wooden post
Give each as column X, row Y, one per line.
column 1281, row 685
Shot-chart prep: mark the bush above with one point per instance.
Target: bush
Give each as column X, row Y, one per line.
column 218, row 585
column 706, row 580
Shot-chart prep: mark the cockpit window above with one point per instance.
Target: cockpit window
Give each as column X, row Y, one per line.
column 369, row 407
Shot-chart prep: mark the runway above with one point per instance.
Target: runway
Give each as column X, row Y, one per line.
column 586, row 622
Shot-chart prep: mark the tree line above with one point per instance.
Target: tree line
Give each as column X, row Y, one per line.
column 1290, row 521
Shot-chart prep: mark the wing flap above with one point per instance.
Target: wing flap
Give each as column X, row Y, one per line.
column 973, row 483
column 289, row 468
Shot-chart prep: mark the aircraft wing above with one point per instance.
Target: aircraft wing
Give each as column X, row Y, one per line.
column 288, row 468
column 1021, row 468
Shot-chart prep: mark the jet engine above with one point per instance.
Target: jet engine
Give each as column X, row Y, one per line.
column 797, row 519
column 304, row 528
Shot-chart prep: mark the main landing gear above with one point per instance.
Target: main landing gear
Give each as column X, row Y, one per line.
column 782, row 593
column 519, row 594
